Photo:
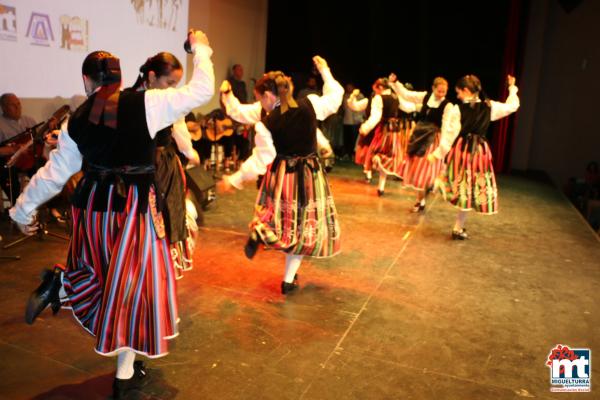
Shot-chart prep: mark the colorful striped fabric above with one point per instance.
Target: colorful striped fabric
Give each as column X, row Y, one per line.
column 418, row 173
column 468, row 182
column 388, row 149
column 120, row 279
column 295, row 211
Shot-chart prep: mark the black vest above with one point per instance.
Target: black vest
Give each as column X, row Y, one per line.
column 128, row 145
column 295, row 131
column 433, row 115
column 114, row 157
column 475, row 118
column 390, row 107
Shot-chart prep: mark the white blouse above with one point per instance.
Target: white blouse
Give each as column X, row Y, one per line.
column 451, row 123
column 163, row 108
column 264, row 151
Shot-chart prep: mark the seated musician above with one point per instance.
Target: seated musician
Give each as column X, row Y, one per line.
column 12, row 122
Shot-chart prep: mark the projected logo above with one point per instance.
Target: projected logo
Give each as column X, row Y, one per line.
column 74, row 33
column 158, row 13
column 8, row 23
column 40, row 30
column 570, row 369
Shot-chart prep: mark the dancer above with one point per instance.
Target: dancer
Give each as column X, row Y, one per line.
column 417, row 172
column 387, row 146
column 294, row 211
column 119, row 279
column 468, row 182
column 163, row 71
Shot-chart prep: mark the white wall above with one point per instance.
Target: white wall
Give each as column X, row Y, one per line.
column 557, row 130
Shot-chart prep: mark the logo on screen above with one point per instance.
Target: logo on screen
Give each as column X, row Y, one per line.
column 570, row 369
column 160, row 14
column 39, row 29
column 8, row 23
column 74, row 33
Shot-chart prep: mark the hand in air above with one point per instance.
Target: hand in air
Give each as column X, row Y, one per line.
column 225, row 86
column 511, row 80
column 199, row 37
column 320, row 63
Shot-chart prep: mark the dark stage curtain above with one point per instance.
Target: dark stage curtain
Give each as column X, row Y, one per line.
column 515, row 40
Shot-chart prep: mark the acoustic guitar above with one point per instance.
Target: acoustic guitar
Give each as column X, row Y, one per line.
column 218, row 128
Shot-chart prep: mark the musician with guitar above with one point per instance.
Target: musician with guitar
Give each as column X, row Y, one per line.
column 12, row 123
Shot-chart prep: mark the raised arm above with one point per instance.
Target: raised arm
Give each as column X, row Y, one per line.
column 407, row 95
column 333, row 92
column 165, row 106
column 242, row 113
column 64, row 161
column 355, row 104
column 263, row 154
column 501, row 110
column 374, row 116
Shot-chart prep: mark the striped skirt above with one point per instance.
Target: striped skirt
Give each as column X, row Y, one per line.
column 418, row 173
column 468, row 181
column 361, row 153
column 388, row 148
column 120, row 279
column 294, row 209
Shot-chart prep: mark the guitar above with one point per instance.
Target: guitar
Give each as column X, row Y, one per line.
column 218, row 128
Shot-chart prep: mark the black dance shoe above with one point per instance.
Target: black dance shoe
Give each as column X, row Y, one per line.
column 251, row 248
column 460, row 234
column 287, row 288
column 418, row 207
column 137, row 381
column 380, row 193
column 45, row 294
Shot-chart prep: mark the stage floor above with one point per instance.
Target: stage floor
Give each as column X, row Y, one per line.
column 402, row 313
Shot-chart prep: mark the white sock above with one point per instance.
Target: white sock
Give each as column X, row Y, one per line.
column 460, row 220
column 369, row 174
column 125, row 361
column 292, row 264
column 421, row 198
column 382, row 179
column 62, row 294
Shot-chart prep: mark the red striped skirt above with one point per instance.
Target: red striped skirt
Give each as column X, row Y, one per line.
column 120, row 279
column 294, row 209
column 388, row 148
column 361, row 153
column 418, row 173
column 468, row 181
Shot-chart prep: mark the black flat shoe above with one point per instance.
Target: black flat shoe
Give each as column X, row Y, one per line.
column 380, row 193
column 418, row 207
column 251, row 248
column 287, row 288
column 45, row 294
column 459, row 235
column 137, row 381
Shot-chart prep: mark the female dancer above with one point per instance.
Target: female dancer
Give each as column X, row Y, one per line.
column 417, row 172
column 119, row 279
column 294, row 212
column 386, row 149
column 468, row 182
column 164, row 71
